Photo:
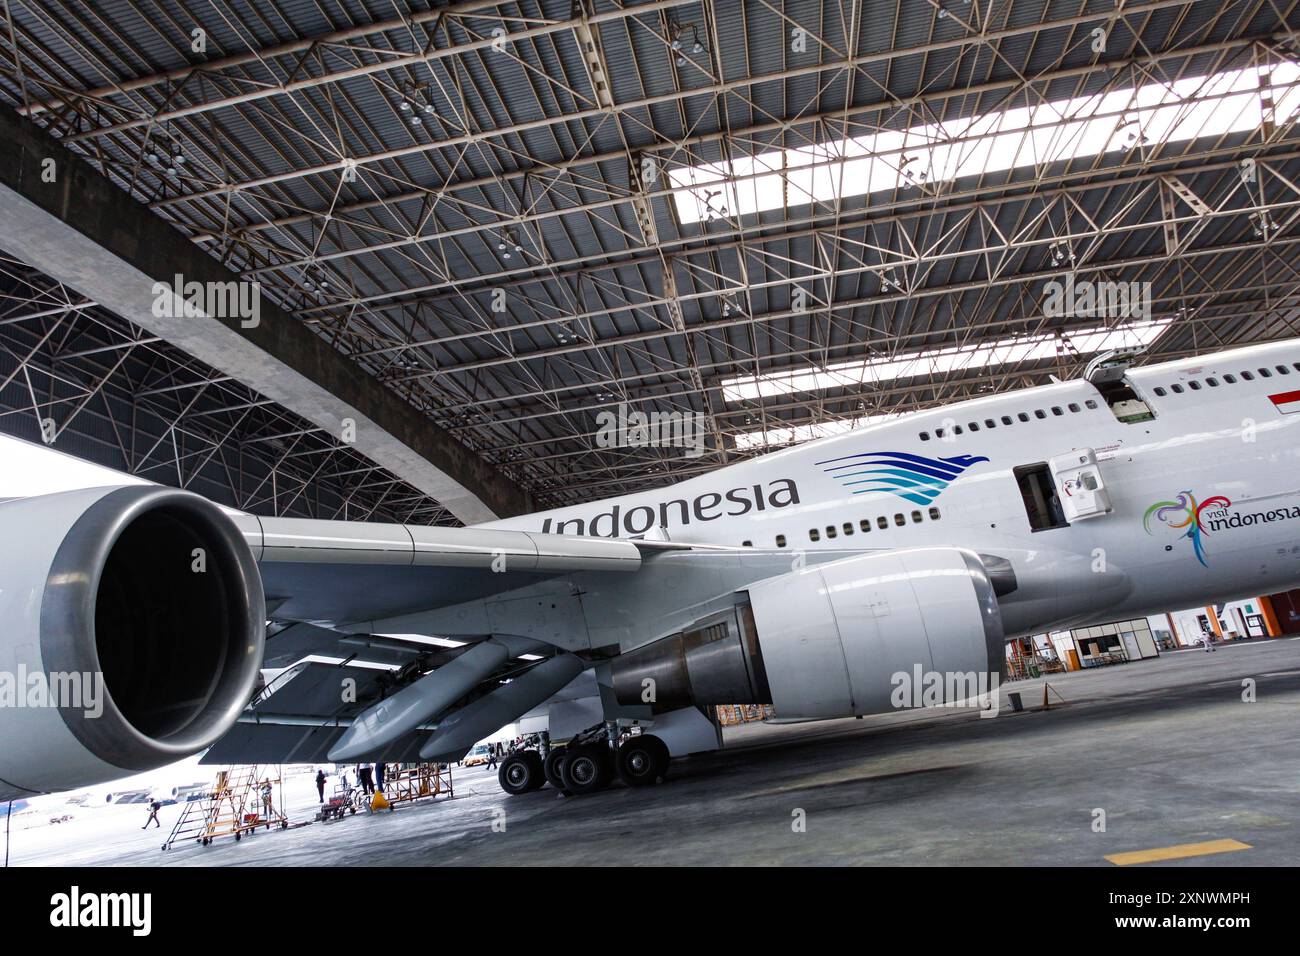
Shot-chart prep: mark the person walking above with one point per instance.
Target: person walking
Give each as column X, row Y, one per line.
column 320, row 784
column 492, row 757
column 154, row 807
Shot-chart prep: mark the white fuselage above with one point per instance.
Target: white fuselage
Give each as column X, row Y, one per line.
column 1223, row 430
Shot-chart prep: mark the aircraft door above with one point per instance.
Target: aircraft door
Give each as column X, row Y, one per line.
column 1079, row 485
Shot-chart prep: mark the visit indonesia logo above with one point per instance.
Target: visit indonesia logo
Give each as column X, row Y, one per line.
column 1196, row 519
column 1185, row 514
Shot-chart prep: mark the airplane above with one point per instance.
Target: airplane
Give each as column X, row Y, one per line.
column 809, row 578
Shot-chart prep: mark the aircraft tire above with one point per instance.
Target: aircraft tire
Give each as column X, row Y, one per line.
column 517, row 774
column 539, row 769
column 587, row 769
column 642, row 760
column 552, row 767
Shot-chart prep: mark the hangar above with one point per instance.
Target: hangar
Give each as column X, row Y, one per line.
column 409, row 265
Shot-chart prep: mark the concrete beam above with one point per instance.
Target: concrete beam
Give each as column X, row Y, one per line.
column 66, row 219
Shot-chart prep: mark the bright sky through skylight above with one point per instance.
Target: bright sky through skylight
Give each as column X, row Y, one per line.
column 941, row 361
column 1213, row 105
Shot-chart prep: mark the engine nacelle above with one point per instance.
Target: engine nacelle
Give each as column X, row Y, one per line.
column 834, row 636
column 141, row 611
column 831, row 640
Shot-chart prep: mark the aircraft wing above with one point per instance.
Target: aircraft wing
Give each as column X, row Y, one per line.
column 341, row 572
column 324, row 580
column 168, row 597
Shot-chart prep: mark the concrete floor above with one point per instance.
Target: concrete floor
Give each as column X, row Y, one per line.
column 1166, row 747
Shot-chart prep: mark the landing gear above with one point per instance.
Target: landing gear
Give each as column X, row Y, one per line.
column 553, row 767
column 642, row 760
column 589, row 762
column 588, row 768
column 521, row 772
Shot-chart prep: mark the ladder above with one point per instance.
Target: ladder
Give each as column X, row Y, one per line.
column 236, row 805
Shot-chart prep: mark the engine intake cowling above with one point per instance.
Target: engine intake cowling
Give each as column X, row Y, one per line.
column 141, row 610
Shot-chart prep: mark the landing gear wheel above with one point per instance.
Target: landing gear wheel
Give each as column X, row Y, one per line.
column 587, row 769
column 554, row 766
column 520, row 774
column 539, row 769
column 642, row 760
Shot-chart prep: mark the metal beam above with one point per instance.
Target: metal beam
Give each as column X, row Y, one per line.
column 55, row 210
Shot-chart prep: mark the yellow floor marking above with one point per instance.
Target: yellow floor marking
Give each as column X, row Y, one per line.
column 1180, row 852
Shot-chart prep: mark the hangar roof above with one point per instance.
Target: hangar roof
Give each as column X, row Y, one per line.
column 781, row 214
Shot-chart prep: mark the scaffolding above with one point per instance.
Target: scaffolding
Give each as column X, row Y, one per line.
column 729, row 715
column 242, row 799
column 416, row 782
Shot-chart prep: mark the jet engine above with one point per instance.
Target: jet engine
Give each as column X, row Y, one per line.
column 859, row 635
column 133, row 629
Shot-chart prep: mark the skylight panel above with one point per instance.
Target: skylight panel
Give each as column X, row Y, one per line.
column 1217, row 104
column 941, row 361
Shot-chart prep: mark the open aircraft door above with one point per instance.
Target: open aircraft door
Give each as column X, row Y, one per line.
column 1079, row 485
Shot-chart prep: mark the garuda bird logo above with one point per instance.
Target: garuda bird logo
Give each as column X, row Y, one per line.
column 913, row 478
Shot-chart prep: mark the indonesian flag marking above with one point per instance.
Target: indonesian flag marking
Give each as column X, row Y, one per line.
column 1286, row 402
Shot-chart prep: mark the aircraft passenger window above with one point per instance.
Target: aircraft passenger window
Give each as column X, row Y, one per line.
column 1282, row 370
column 865, row 525
column 1247, row 377
column 938, row 433
column 1160, row 392
column 1212, row 382
column 1074, row 407
column 925, row 436
column 882, row 522
column 1038, row 492
column 830, row 531
column 848, row 527
column 747, row 544
column 814, row 534
column 934, row 514
column 1006, row 419
column 780, row 541
column 1056, row 410
column 1090, row 404
column 916, row 517
column 956, row 429
column 1194, row 386
column 1296, row 366
column 1024, row 417
column 974, row 426
column 900, row 520
column 1178, row 389
column 1266, row 373
column 1039, row 413
column 990, row 423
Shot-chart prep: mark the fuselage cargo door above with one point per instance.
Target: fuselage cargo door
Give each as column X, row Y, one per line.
column 1079, row 485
